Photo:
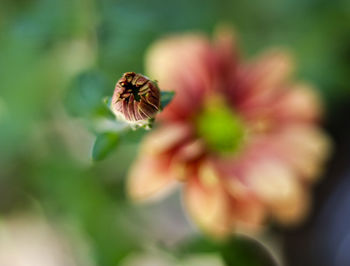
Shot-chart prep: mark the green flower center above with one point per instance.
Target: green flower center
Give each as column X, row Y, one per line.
column 220, row 127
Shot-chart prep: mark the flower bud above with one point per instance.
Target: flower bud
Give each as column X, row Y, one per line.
column 136, row 99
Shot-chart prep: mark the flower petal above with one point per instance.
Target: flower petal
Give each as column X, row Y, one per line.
column 272, row 181
column 305, row 148
column 263, row 79
column 300, row 103
column 226, row 52
column 278, row 187
column 184, row 64
column 187, row 158
column 166, row 138
column 208, row 203
column 294, row 211
column 150, row 176
column 249, row 214
column 296, row 104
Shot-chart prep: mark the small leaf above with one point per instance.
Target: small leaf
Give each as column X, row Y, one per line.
column 166, row 97
column 108, row 113
column 85, row 93
column 108, row 101
column 104, row 144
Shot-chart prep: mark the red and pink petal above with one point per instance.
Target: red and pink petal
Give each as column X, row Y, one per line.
column 150, row 177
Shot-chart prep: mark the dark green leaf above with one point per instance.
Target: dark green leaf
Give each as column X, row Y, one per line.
column 166, row 97
column 243, row 251
column 236, row 251
column 104, row 144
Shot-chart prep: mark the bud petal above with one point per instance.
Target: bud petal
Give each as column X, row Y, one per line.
column 136, row 98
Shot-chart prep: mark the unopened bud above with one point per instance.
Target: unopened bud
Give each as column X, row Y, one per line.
column 136, row 98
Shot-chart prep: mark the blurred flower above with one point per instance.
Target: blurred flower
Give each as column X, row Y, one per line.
column 136, row 99
column 29, row 241
column 240, row 135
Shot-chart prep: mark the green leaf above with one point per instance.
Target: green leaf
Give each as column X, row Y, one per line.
column 196, row 245
column 85, row 93
column 104, row 144
column 166, row 97
column 107, row 101
column 235, row 251
column 107, row 108
column 243, row 251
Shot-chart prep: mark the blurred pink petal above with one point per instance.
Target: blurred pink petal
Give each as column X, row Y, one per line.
column 305, row 148
column 295, row 104
column 300, row 103
column 208, row 203
column 263, row 79
column 149, row 177
column 295, row 211
column 248, row 214
column 167, row 138
column 190, row 61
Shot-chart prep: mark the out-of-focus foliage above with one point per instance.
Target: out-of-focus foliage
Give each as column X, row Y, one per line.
column 104, row 144
column 85, row 94
column 50, row 48
column 238, row 250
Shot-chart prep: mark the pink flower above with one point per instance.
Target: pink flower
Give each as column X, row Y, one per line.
column 241, row 136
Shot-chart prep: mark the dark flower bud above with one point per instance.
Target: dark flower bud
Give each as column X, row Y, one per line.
column 136, row 99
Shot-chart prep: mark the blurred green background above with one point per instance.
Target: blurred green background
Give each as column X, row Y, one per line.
column 45, row 145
